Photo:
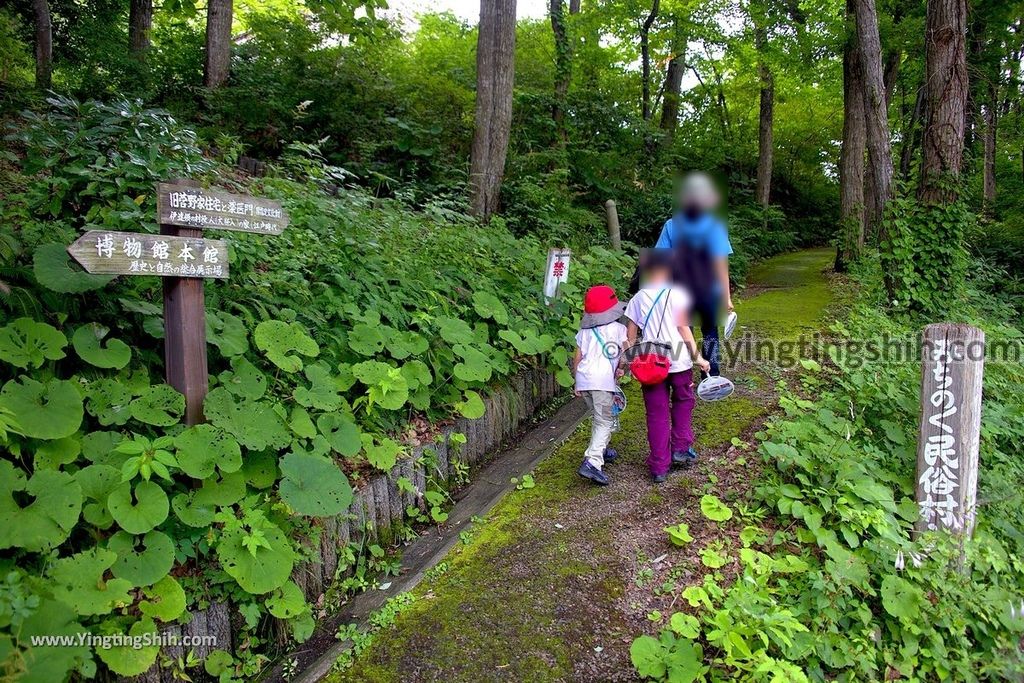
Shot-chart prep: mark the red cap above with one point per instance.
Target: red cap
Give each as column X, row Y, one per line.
column 599, row 299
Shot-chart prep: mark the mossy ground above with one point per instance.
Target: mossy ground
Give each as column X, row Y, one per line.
column 550, row 586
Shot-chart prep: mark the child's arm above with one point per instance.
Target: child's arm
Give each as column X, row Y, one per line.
column 631, row 332
column 691, row 344
column 576, row 358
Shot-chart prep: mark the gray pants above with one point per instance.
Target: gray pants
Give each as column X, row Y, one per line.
column 604, row 424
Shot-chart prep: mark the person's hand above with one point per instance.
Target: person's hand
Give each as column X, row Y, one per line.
column 619, row 372
column 704, row 365
column 577, row 394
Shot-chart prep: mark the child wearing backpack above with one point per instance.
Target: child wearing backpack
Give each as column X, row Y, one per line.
column 599, row 343
column 662, row 361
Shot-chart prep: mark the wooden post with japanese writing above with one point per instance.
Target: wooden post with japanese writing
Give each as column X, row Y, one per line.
column 612, row 216
column 952, row 360
column 185, row 332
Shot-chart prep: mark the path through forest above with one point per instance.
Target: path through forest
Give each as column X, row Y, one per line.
column 559, row 578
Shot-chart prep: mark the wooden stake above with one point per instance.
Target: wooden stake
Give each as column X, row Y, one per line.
column 185, row 335
column 612, row 215
column 953, row 358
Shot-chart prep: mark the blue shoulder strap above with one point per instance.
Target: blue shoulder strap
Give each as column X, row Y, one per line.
column 651, row 310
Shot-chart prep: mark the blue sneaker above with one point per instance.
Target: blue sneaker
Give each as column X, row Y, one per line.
column 588, row 471
column 685, row 459
column 610, row 455
column 659, row 478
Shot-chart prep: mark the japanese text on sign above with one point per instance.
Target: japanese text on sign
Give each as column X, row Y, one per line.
column 941, row 479
column 194, row 207
column 557, row 271
column 128, row 253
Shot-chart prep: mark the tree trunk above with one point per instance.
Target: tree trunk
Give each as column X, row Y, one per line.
column 991, row 121
column 495, row 73
column 946, row 73
column 876, row 115
column 140, row 22
column 851, row 156
column 44, row 44
column 765, row 121
column 218, row 43
column 563, row 66
column 645, row 61
column 912, row 132
column 891, row 74
column 673, row 83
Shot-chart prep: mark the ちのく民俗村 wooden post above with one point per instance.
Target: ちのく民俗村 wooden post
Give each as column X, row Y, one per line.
column 952, row 360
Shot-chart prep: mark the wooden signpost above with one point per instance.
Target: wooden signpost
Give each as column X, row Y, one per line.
column 184, row 258
column 612, row 217
column 947, row 450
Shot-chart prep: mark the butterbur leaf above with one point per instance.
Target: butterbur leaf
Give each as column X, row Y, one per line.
column 227, row 489
column 648, row 657
column 43, row 411
column 193, row 512
column 46, row 663
column 88, row 342
column 27, row 343
column 244, row 379
column 679, row 535
column 161, row 405
column 416, row 374
column 341, row 433
column 901, row 598
column 255, row 424
column 142, row 560
column 287, row 602
column 301, row 423
column 371, row 372
column 78, row 582
column 314, row 486
column 45, row 522
column 227, row 333
column 455, row 331
column 165, row 600
column 140, row 509
column 405, row 343
column 203, row 448
column 324, row 392
column 109, row 401
column 52, row 454
column 475, row 367
column 260, row 469
column 381, row 454
column 685, row 625
column 126, row 660
column 367, row 340
column 55, row 269
column 487, row 305
column 262, row 570
column 472, row 406
column 391, row 392
column 714, row 509
column 283, row 343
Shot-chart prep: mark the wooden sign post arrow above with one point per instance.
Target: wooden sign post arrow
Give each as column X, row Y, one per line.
column 184, row 258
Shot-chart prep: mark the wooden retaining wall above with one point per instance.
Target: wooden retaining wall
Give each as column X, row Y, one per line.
column 378, row 509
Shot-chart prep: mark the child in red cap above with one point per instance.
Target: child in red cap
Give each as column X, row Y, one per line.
column 596, row 364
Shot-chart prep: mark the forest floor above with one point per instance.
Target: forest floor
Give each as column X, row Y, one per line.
column 556, row 582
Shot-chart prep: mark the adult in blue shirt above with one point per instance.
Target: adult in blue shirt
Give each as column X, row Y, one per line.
column 701, row 241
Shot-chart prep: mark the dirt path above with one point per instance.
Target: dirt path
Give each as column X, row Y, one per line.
column 558, row 580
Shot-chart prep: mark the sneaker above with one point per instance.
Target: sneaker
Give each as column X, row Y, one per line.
column 659, row 478
column 588, row 471
column 684, row 459
column 610, row 455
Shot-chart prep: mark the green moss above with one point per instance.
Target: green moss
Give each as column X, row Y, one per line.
column 793, row 269
column 794, row 309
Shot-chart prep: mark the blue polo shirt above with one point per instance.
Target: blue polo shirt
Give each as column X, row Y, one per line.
column 707, row 231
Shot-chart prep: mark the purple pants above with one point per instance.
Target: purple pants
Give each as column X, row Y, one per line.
column 669, row 419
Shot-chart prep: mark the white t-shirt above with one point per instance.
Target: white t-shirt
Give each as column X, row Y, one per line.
column 596, row 372
column 663, row 324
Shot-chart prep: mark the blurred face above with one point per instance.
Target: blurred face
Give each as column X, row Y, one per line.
column 657, row 273
column 697, row 194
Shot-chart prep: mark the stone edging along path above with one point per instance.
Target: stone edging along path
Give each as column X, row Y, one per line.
column 378, row 510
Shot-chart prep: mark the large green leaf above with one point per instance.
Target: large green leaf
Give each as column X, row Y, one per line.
column 227, row 333
column 48, row 519
column 487, row 305
column 314, row 486
column 255, row 424
column 78, row 581
column 109, row 401
column 192, row 510
column 48, row 663
column 475, row 366
column 161, row 405
column 203, row 448
column 88, row 343
column 165, row 600
column 324, row 392
column 43, row 411
column 126, row 660
column 404, row 343
column 258, row 568
column 381, row 452
column 367, row 340
column 901, row 598
column 472, row 406
column 143, row 560
column 27, row 343
column 284, row 343
column 287, row 602
column 140, row 509
column 244, row 379
column 455, row 331
column 714, row 509
column 55, row 269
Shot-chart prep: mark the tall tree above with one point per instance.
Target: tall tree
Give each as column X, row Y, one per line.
column 946, row 75
column 218, row 43
column 766, row 115
column 645, row 60
column 563, row 62
column 495, row 74
column 673, row 81
column 44, row 44
column 851, row 156
column 876, row 114
column 140, row 23
column 991, row 114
